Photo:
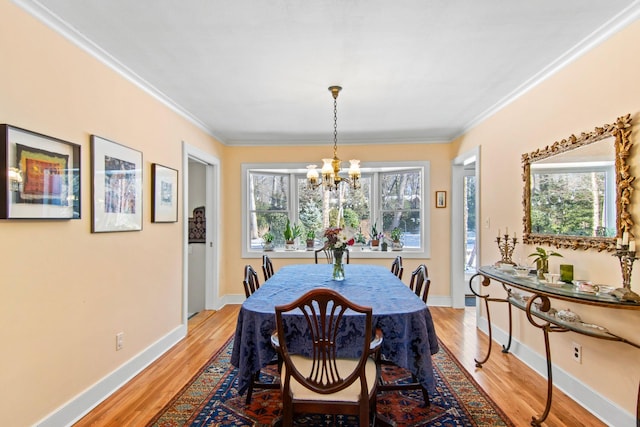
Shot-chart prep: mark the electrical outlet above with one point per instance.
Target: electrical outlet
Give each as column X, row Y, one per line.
column 576, row 349
column 119, row 341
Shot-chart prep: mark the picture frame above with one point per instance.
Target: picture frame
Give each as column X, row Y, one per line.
column 164, row 193
column 41, row 176
column 441, row 199
column 116, row 187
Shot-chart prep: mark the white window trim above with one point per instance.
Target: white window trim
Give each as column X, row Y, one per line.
column 300, row 168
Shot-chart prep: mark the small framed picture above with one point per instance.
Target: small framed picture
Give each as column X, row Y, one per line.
column 40, row 178
column 164, row 194
column 441, row 199
column 116, row 173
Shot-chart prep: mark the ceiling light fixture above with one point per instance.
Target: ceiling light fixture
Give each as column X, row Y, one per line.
column 329, row 177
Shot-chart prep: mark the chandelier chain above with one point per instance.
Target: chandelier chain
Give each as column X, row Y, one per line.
column 335, row 127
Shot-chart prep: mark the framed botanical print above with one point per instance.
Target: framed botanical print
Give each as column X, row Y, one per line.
column 116, row 172
column 40, row 176
column 164, row 194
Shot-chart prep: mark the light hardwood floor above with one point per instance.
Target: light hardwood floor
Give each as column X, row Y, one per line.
column 517, row 389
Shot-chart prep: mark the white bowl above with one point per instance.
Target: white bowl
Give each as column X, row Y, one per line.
column 521, row 271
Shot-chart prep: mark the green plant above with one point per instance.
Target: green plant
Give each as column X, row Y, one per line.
column 291, row 232
column 374, row 234
column 541, row 258
column 396, row 234
column 542, row 255
column 360, row 238
column 268, row 237
column 311, row 234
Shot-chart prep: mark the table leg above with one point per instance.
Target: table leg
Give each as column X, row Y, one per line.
column 546, row 328
column 486, row 298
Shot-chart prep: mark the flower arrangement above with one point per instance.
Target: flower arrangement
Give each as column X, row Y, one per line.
column 337, row 238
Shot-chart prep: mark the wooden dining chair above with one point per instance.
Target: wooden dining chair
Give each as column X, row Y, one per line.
column 396, row 267
column 321, row 381
column 252, row 284
column 328, row 254
column 267, row 267
column 420, row 284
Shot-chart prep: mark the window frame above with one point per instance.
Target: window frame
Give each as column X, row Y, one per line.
column 295, row 170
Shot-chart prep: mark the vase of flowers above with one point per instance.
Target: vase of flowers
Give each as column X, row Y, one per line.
column 337, row 241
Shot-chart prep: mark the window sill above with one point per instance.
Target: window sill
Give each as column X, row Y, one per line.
column 354, row 253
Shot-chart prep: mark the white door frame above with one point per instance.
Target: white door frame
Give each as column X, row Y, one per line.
column 212, row 210
column 458, row 284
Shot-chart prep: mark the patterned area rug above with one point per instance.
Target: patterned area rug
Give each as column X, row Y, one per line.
column 211, row 399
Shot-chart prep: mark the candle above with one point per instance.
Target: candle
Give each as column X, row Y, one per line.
column 498, row 232
column 632, row 246
column 619, row 243
column 625, row 238
column 507, row 232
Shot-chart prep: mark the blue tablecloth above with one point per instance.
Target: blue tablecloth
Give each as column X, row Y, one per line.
column 405, row 321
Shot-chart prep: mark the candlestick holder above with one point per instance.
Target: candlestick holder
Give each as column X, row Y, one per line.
column 626, row 258
column 506, row 246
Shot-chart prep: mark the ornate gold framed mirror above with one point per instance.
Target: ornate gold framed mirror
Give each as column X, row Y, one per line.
column 577, row 191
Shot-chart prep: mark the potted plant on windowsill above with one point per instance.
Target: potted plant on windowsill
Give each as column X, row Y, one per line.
column 375, row 236
column 311, row 239
column 360, row 240
column 290, row 235
column 267, row 239
column 395, row 235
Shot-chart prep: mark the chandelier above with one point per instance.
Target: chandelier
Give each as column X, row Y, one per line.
column 329, row 177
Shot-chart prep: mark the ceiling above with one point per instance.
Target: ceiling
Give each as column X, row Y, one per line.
column 256, row 72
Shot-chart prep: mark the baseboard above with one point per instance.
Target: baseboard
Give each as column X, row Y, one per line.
column 231, row 299
column 607, row 411
column 438, row 301
column 79, row 406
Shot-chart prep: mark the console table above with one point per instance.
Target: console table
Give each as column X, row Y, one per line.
column 537, row 308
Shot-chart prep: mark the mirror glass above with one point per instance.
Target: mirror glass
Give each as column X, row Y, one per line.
column 574, row 193
column 570, row 195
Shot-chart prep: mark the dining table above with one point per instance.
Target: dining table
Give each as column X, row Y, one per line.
column 409, row 337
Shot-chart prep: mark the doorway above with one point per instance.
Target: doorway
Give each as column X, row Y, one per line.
column 201, row 189
column 465, row 233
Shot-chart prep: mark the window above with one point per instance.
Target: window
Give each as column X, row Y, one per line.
column 269, row 206
column 391, row 195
